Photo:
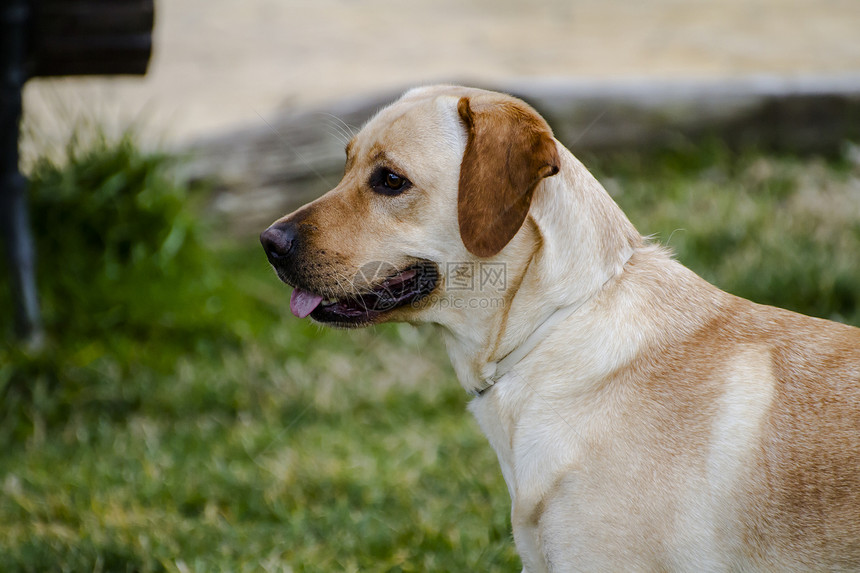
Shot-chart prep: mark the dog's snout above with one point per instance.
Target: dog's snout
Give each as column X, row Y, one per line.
column 278, row 240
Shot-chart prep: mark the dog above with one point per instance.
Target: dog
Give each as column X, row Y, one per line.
column 643, row 419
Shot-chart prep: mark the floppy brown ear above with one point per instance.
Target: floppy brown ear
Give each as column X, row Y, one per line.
column 509, row 151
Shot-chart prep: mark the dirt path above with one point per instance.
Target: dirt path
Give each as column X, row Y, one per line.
column 222, row 63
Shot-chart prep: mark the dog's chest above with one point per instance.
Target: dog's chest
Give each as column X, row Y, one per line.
column 574, row 488
column 499, row 433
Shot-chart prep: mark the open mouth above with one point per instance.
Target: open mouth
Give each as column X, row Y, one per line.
column 402, row 288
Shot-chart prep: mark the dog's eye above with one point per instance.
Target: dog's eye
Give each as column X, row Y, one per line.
column 387, row 182
column 394, row 181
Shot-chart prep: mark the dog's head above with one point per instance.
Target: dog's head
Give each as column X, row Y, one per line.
column 440, row 180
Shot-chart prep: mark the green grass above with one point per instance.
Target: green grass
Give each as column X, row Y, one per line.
column 181, row 420
column 777, row 230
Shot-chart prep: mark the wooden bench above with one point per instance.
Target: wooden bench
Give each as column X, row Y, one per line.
column 54, row 38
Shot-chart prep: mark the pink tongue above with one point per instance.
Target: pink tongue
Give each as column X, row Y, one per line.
column 302, row 302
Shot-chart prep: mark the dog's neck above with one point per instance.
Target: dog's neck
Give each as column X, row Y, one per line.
column 583, row 240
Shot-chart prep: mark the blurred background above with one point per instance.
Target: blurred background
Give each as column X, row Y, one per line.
column 174, row 416
column 218, row 63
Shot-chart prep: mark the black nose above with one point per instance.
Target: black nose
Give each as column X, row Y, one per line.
column 278, row 240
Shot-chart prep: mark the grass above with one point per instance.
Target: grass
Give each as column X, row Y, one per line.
column 181, row 420
column 777, row 230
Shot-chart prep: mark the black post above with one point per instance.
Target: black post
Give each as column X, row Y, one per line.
column 14, row 222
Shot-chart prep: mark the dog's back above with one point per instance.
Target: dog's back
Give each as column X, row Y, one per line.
column 804, row 484
column 756, row 411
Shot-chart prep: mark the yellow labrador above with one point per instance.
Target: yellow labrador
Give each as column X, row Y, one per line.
column 643, row 419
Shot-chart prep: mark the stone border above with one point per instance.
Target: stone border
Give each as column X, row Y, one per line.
column 801, row 115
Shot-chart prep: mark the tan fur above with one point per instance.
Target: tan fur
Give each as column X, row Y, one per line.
column 664, row 425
